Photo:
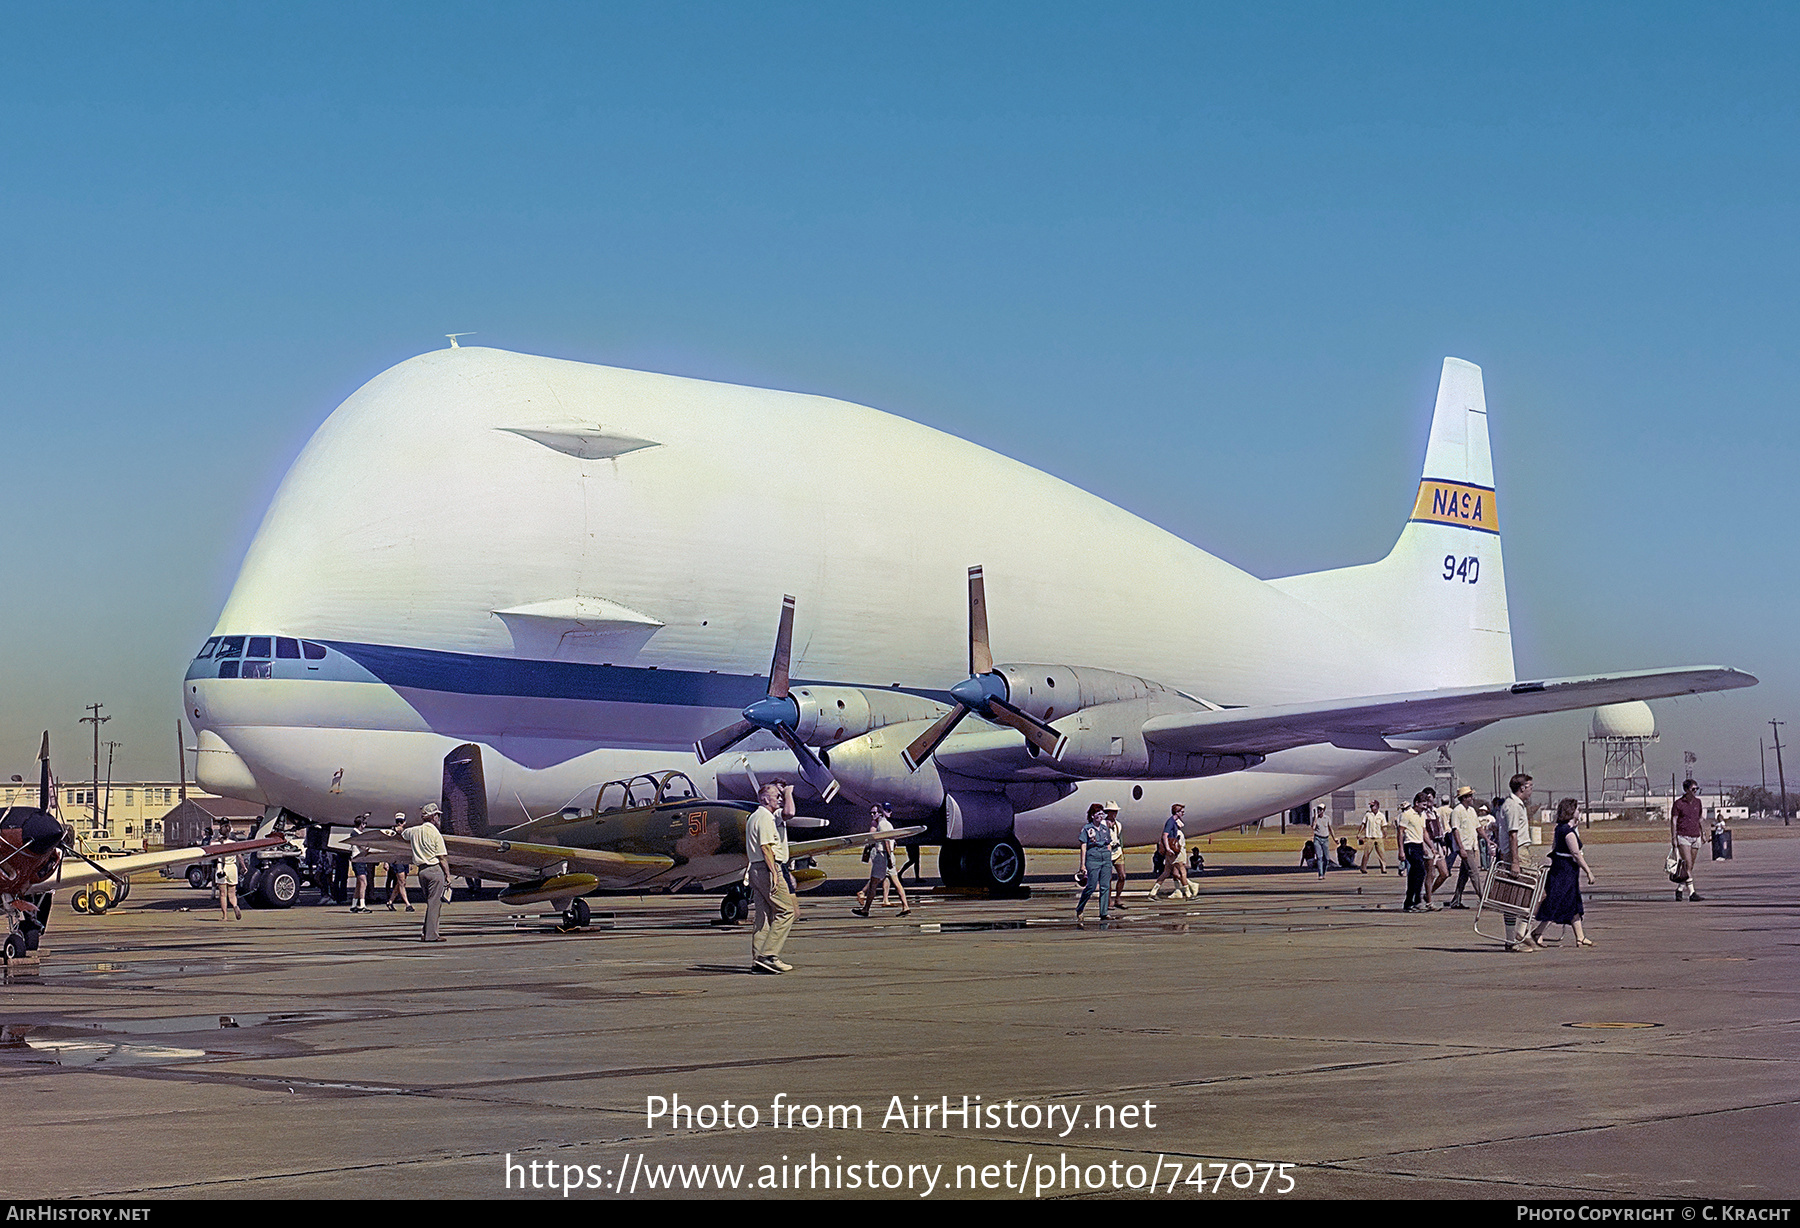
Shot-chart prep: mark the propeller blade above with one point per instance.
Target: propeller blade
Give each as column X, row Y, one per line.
column 981, row 657
column 812, row 771
column 719, row 742
column 926, row 743
column 1036, row 732
column 44, row 774
column 784, row 646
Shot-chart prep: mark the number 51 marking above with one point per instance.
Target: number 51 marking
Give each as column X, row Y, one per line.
column 1468, row 570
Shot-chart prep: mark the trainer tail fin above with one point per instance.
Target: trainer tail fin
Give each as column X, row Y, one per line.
column 1439, row 597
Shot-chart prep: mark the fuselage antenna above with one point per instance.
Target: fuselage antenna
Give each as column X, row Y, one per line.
column 454, row 336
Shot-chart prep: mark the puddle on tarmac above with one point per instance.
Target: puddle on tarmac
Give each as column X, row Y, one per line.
column 95, row 1052
column 207, row 1023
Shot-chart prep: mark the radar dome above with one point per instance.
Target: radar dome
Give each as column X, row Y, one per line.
column 1628, row 720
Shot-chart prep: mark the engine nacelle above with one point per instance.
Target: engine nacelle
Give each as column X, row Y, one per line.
column 1051, row 692
column 1108, row 741
column 831, row 714
column 869, row 768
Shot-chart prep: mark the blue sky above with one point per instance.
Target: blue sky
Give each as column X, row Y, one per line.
column 1203, row 261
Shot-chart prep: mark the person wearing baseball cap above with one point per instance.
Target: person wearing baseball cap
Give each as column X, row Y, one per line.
column 433, row 860
column 1117, row 850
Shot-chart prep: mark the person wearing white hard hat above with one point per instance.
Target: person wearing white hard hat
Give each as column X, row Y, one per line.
column 397, row 871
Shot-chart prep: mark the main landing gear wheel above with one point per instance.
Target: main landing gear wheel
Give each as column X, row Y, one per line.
column 15, row 947
column 735, row 906
column 1003, row 865
column 577, row 915
column 280, row 887
column 998, row 865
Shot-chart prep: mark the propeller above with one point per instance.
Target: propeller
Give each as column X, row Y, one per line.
column 63, row 837
column 775, row 713
column 44, row 774
column 984, row 691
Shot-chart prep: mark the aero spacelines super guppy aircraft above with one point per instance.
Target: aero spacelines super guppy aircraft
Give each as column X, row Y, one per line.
column 581, row 570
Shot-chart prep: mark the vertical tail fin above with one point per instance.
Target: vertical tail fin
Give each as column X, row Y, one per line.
column 1439, row 597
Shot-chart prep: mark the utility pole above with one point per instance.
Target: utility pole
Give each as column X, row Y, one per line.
column 96, row 721
column 106, row 820
column 181, row 761
column 1587, row 800
column 1516, row 748
column 1779, row 774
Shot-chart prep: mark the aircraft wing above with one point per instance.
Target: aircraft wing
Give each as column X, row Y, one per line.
column 78, row 873
column 1366, row 723
column 812, row 848
column 512, row 861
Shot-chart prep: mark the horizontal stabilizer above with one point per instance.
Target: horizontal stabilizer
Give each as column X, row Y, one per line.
column 1366, row 722
column 73, row 874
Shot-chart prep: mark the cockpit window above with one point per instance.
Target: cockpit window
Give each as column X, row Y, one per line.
column 206, row 649
column 229, row 669
column 259, row 646
column 230, row 646
column 314, row 652
column 677, row 787
column 287, row 649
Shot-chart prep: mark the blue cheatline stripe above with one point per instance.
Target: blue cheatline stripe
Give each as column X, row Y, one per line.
column 460, row 673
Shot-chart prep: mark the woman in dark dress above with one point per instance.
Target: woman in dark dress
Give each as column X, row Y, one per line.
column 1561, row 904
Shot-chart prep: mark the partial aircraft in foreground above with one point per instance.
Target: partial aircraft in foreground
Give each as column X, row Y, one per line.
column 575, row 567
column 38, row 858
column 650, row 833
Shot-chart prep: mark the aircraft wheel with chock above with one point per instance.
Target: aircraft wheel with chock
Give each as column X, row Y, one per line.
column 79, row 901
column 735, row 905
column 15, row 947
column 577, row 915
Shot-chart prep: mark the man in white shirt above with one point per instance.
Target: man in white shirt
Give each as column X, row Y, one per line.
column 1374, row 834
column 1410, row 828
column 1514, row 828
column 1321, row 830
column 1466, row 844
column 433, row 861
column 771, row 879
